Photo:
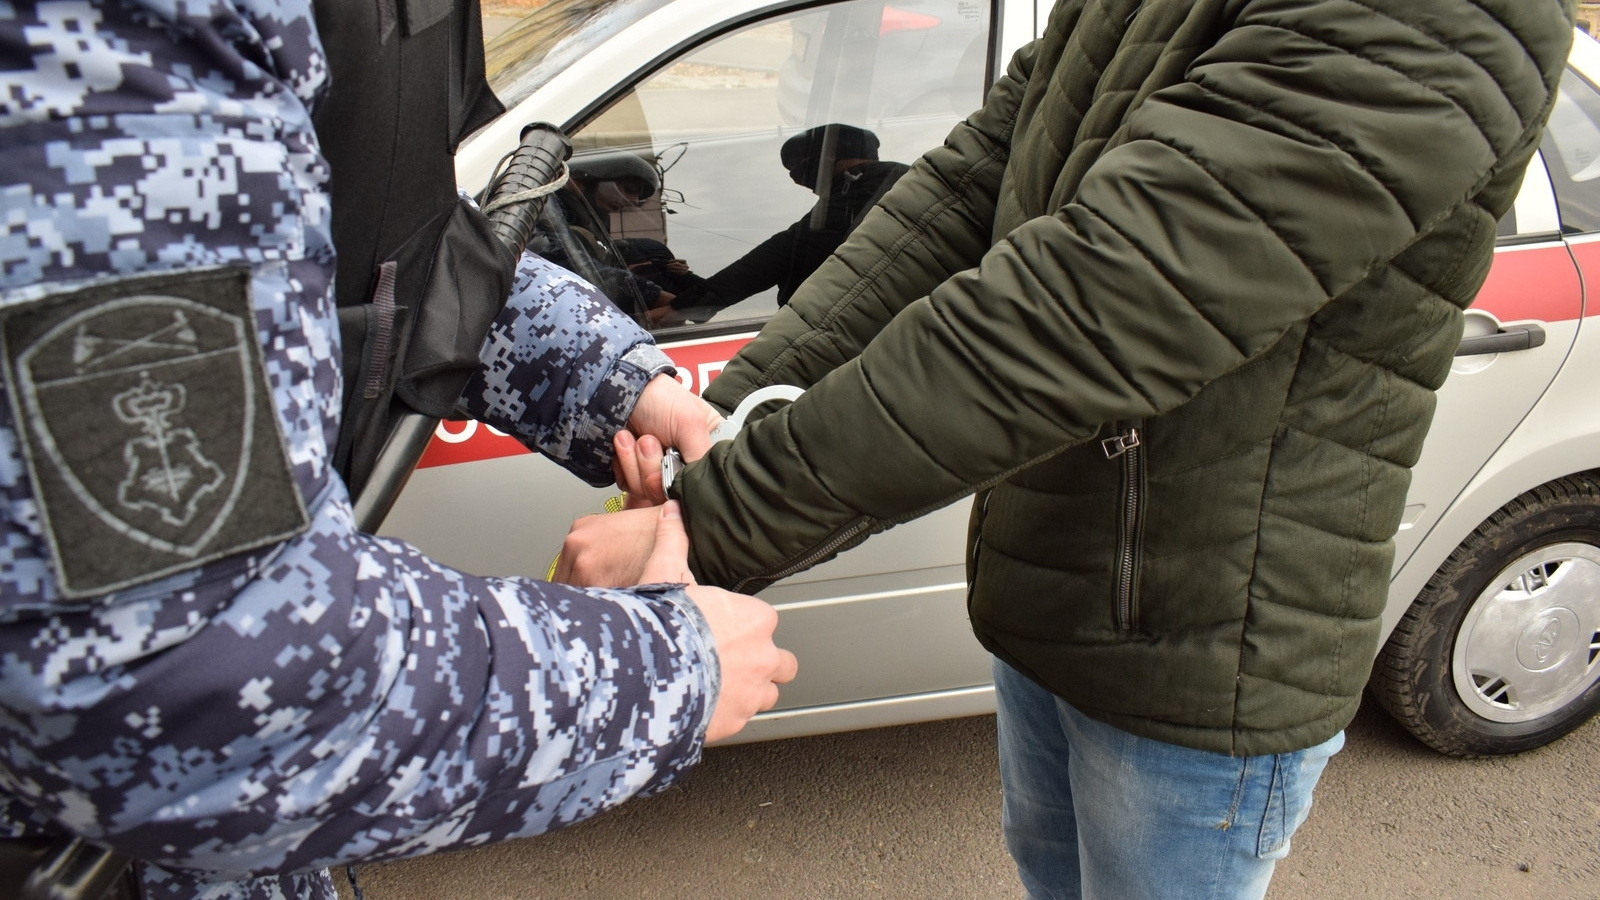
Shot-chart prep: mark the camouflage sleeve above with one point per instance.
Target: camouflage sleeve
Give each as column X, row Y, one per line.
column 302, row 701
column 562, row 369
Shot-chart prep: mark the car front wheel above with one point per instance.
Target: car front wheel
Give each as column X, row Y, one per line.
column 1500, row 653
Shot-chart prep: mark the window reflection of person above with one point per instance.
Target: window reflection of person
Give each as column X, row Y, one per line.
column 839, row 163
column 580, row 240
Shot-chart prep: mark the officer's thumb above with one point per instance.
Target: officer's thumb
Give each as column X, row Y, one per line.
column 669, row 558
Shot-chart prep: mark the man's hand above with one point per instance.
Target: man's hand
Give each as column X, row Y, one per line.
column 667, row 415
column 742, row 626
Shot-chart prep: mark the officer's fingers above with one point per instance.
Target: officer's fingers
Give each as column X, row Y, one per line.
column 609, row 550
column 669, row 557
column 647, row 475
column 572, row 549
column 624, row 460
column 752, row 665
column 788, row 667
column 650, row 493
column 631, row 465
column 563, row 569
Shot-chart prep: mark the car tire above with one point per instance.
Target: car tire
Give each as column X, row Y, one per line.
column 1500, row 653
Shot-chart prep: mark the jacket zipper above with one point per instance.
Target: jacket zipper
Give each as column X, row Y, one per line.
column 1126, row 445
column 977, row 545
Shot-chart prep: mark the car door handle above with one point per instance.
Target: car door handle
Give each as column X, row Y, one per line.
column 1508, row 338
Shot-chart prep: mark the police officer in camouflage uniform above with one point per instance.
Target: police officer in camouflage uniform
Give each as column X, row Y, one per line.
column 203, row 664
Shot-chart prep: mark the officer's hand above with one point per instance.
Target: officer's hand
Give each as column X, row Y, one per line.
column 742, row 626
column 611, row 549
column 672, row 415
column 637, row 467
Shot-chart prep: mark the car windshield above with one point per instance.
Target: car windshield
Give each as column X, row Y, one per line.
column 526, row 42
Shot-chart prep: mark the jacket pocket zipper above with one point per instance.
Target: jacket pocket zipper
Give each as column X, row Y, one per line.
column 1126, row 445
column 977, row 545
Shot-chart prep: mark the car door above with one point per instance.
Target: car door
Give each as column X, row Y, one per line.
column 1520, row 332
column 708, row 94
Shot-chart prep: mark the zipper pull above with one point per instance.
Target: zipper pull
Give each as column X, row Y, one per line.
column 1118, row 444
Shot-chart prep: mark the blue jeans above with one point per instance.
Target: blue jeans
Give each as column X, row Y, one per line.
column 1092, row 812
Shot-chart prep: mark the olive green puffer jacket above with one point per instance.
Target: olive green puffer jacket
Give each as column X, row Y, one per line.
column 1175, row 303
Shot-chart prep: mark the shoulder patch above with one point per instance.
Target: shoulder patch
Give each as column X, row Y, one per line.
column 149, row 431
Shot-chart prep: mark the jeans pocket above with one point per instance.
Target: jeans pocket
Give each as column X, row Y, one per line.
column 1273, row 840
column 1294, row 777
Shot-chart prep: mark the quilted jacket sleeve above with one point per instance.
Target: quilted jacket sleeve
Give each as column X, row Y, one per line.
column 934, row 222
column 1304, row 145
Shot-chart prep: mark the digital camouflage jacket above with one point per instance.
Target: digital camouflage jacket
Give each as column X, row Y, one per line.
column 202, row 663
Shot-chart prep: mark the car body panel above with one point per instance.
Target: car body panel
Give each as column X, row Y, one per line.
column 1487, row 396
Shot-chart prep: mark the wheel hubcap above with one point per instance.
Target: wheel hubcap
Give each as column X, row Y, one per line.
column 1530, row 644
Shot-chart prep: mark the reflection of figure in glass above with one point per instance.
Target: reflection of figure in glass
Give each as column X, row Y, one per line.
column 839, row 163
column 577, row 236
column 655, row 261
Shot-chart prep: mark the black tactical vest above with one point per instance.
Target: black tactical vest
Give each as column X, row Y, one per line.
column 420, row 276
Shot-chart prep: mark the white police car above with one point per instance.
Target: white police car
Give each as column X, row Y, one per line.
column 1494, row 617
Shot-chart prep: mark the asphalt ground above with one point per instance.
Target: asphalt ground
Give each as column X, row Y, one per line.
column 913, row 812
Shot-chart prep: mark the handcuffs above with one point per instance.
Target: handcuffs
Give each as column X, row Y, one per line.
column 672, row 461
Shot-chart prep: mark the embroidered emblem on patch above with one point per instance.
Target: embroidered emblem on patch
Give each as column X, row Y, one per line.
column 148, row 427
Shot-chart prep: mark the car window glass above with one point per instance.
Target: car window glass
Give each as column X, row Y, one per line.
column 1572, row 152
column 526, row 42
column 730, row 172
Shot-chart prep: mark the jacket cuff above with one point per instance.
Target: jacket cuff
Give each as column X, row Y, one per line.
column 650, row 359
column 678, row 597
